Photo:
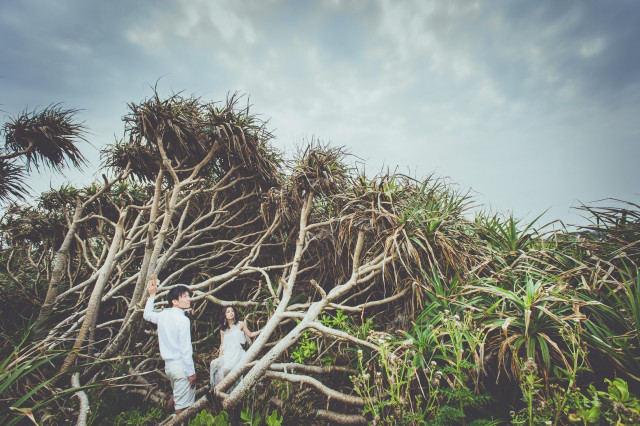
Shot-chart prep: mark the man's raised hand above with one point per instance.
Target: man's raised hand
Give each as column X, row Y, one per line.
column 152, row 285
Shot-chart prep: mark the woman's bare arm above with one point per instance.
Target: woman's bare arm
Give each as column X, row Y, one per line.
column 221, row 341
column 249, row 334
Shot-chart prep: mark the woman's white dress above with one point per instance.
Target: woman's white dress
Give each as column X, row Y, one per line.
column 232, row 354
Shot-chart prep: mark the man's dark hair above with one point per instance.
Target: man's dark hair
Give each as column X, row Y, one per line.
column 175, row 293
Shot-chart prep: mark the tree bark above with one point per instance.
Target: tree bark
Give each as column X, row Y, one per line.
column 94, row 302
column 83, row 409
column 62, row 254
column 59, row 263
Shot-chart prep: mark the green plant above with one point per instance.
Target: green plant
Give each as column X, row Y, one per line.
column 24, row 384
column 428, row 377
column 613, row 324
column 305, row 349
column 248, row 419
column 569, row 404
column 530, row 385
column 384, row 383
column 626, row 297
column 630, row 300
column 458, row 345
column 585, row 410
column 339, row 320
column 365, row 328
column 620, row 407
column 273, row 419
column 528, row 320
column 222, row 419
column 565, row 402
column 204, row 418
column 437, row 297
column 504, row 235
column 136, row 416
column 328, row 359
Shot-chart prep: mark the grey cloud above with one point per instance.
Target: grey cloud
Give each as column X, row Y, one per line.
column 64, row 48
column 483, row 92
column 585, row 49
column 561, row 31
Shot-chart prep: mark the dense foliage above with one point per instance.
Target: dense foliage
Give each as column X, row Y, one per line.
column 379, row 298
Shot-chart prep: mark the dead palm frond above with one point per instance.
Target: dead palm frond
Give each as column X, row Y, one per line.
column 244, row 139
column 139, row 158
column 422, row 222
column 187, row 130
column 170, row 124
column 370, row 205
column 320, row 170
column 46, row 137
column 276, row 201
column 614, row 232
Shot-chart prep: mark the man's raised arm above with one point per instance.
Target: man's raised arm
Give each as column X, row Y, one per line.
column 152, row 287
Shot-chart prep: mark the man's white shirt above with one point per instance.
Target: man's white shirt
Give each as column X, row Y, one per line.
column 174, row 335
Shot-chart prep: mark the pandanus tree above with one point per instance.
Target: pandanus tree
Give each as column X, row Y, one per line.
column 208, row 165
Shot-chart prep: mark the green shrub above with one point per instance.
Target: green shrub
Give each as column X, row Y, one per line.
column 206, row 419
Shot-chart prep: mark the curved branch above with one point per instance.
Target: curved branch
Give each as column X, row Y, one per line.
column 363, row 306
column 331, row 416
column 331, row 393
column 327, row 369
column 341, row 335
column 341, row 418
column 83, row 410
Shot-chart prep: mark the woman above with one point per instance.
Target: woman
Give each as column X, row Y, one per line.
column 233, row 334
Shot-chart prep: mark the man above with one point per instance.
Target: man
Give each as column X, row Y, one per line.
column 174, row 339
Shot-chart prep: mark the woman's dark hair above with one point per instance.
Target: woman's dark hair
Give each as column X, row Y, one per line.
column 223, row 317
column 175, row 293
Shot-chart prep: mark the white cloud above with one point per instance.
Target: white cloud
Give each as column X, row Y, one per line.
column 147, row 38
column 198, row 22
column 200, row 18
column 72, row 47
column 592, row 47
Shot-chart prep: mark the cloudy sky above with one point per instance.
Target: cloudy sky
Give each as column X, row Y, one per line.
column 531, row 105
